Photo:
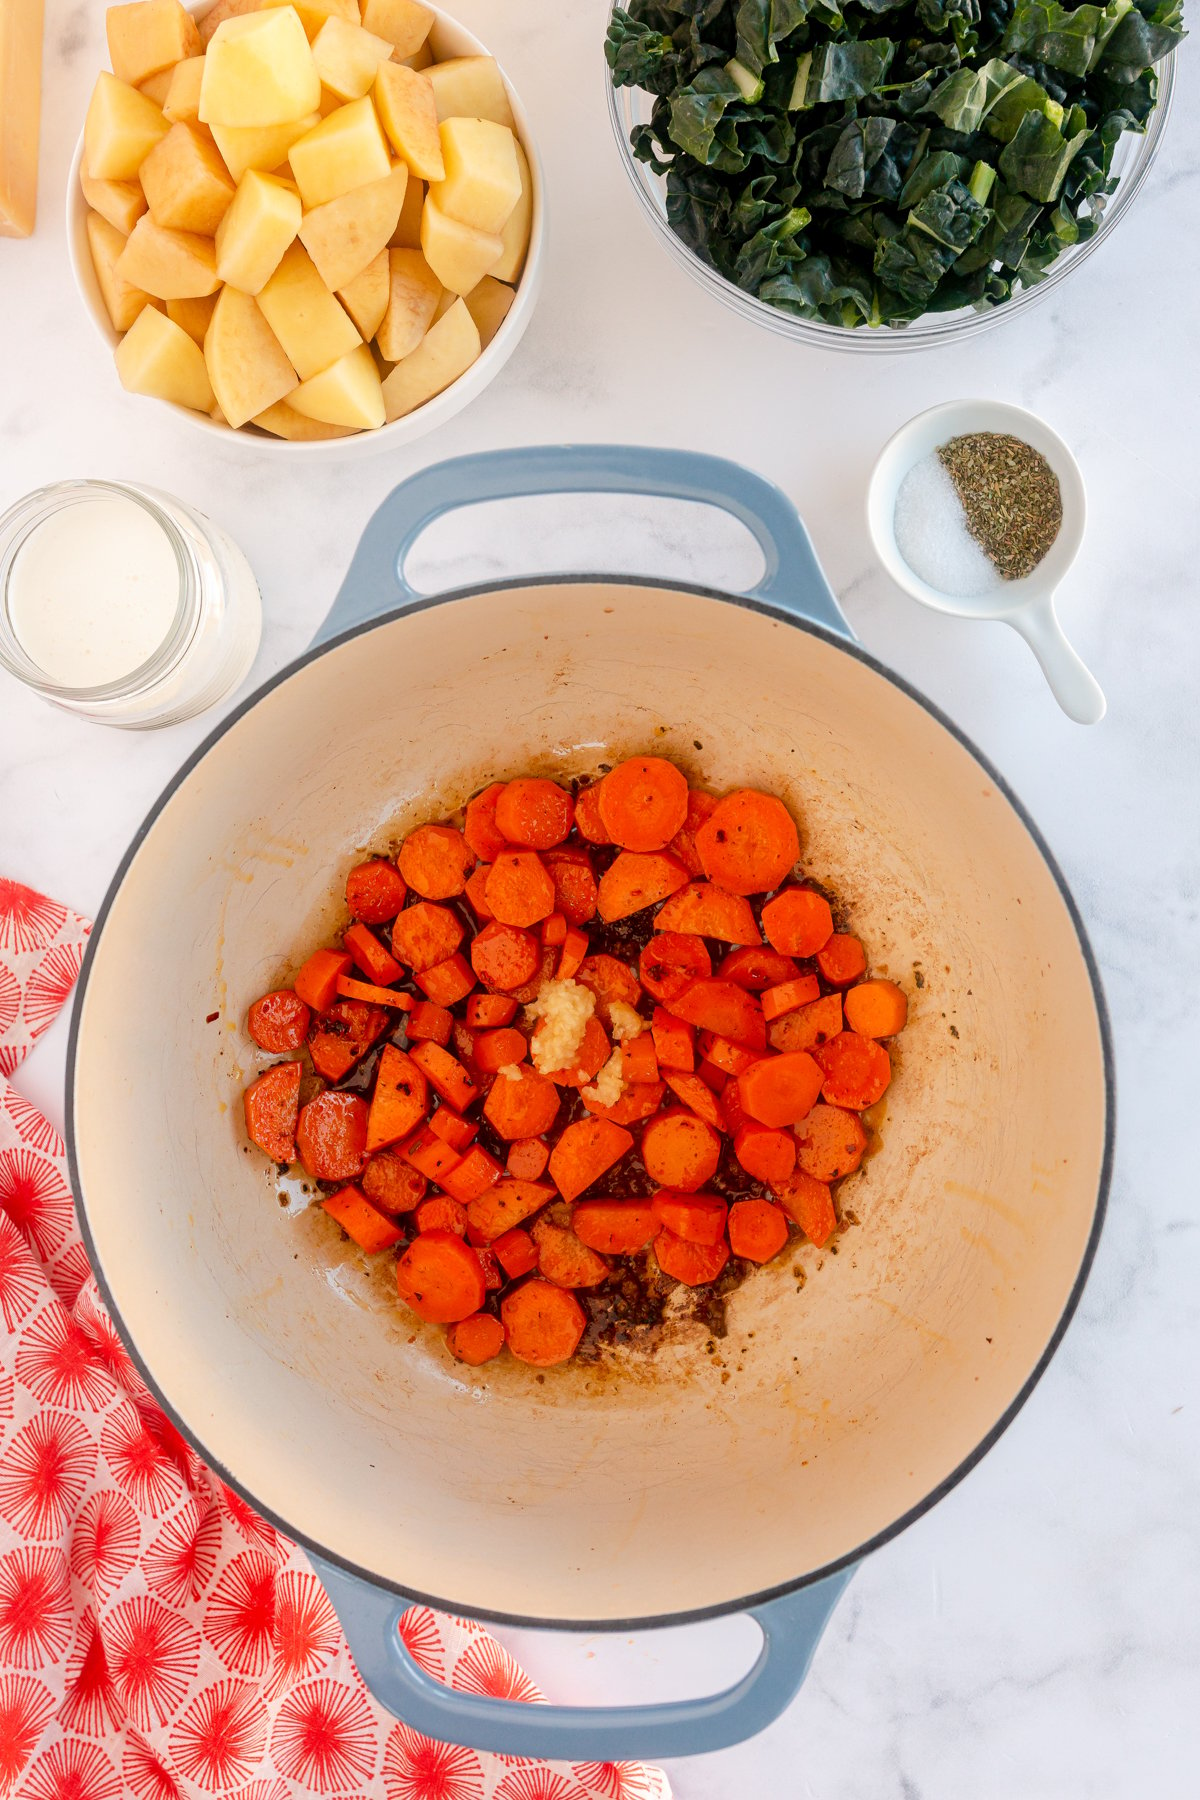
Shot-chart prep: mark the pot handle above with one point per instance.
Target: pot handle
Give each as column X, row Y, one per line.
column 791, row 1629
column 792, row 580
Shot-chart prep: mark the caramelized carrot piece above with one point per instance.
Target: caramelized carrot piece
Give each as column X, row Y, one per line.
column 639, row 1059
column 700, row 806
column 790, row 996
column 636, row 1103
column 476, row 891
column 473, row 1176
column 575, row 888
column 342, row 1036
column 544, row 1323
column 693, row 1264
column 488, row 1012
column 758, row 967
column 506, row 1203
column 564, row 1259
column 331, row 1135
column 534, row 813
column 680, row 1151
column 705, row 910
column 370, row 1228
column 584, row 1151
column 279, row 1021
column 876, row 1009
column 842, row 959
column 724, row 1009
column 496, row 1049
column 271, row 1104
column 807, row 1026
column 810, row 1204
column 317, row 981
column 588, row 822
column 731, row 1105
column 394, row 1185
column 757, row 1230
column 574, row 952
column 643, row 803
column 589, row 1059
column 434, row 860
column 527, row 1158
column 522, row 1106
column 400, row 1099
column 428, row 1020
column 716, row 1080
column 349, row 989
column 432, row 1155
column 519, row 891
column 480, row 829
column 636, row 880
column 375, row 891
column 670, row 961
column 476, row 1340
column 698, row 1097
column 425, row 935
column 452, row 1128
column 447, row 982
column 781, row 1090
column 609, row 979
column 729, row 1058
column 673, row 1042
column 446, row 1075
column 749, row 842
column 615, row 1227
column 766, row 1153
column 698, row 1218
column 441, row 1213
column 798, row 922
column 554, row 930
column 830, row 1143
column 440, row 1278
column 857, row 1070
column 505, row 957
column 516, row 1252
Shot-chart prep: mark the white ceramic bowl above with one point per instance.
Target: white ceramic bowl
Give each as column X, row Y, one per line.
column 447, row 38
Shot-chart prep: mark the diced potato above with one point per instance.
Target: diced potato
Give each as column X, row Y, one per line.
column 347, row 393
column 459, row 256
column 245, row 359
column 122, row 203
column 156, row 87
column 405, row 23
column 344, row 151
column 148, row 36
column 121, row 129
column 310, row 324
column 445, row 303
column 283, row 421
column 346, row 234
column 366, row 297
column 157, row 357
column 515, row 236
column 171, row 265
column 245, row 147
column 193, row 314
column 313, row 13
column 225, row 9
column 445, row 352
column 407, row 235
column 186, row 185
column 488, row 305
column 413, row 294
column 483, row 177
column 408, row 113
column 122, row 299
column 259, row 70
column 420, row 59
column 471, row 87
column 347, row 58
column 257, row 229
column 182, row 104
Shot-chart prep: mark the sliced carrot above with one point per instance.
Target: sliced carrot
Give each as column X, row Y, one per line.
column 693, row 1264
column 876, row 1009
column 495, row 1049
column 639, row 1059
column 370, row 1228
column 391, row 1183
column 842, row 959
column 534, row 813
column 636, row 1103
column 480, row 829
column 554, row 930
column 808, row 1025
column 544, row 1323
column 440, row 1278
column 698, row 1096
column 279, row 1021
column 434, row 861
column 588, row 822
column 583, row 1153
column 425, row 935
column 749, row 842
column 673, row 1041
column 476, row 892
column 271, row 1104
column 462, row 1038
column 609, row 979
column 399, row 1101
column 505, row 1204
column 810, row 1204
column 616, row 1227
column 700, row 806
column 317, row 981
column 447, row 982
column 789, row 996
column 670, row 961
column 716, row 1080
column 698, row 1218
column 428, row 1020
column 473, row 1176
column 441, row 1213
column 521, row 1106
column 857, row 1070
column 724, row 1009
column 757, row 1230
column 565, row 1259
column 547, row 962
column 452, row 1128
column 575, row 888
column 504, row 957
column 781, row 1090
column 758, row 967
column 375, row 891
column 516, row 1252
column 432, row 1155
column 729, row 1058
column 637, row 879
column 446, row 1076
column 349, row 989
column 643, row 803
column 574, row 952
column 519, row 891
column 798, row 921
column 680, row 1151
column 331, row 1135
column 830, row 1143
column 342, row 1036
column 764, row 1152
column 706, row 910
column 476, row 1340
column 488, row 1012
column 589, row 1059
column 731, row 1105
column 527, row 1158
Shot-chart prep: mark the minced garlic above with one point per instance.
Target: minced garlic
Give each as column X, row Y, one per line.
column 626, row 1020
column 609, row 1084
column 510, row 1071
column 564, row 1008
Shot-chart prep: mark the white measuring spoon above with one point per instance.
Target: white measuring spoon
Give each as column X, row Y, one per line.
column 1027, row 605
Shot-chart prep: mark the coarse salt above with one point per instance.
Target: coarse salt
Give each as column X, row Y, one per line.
column 932, row 534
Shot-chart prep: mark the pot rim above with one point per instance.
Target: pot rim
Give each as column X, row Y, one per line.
column 780, row 1590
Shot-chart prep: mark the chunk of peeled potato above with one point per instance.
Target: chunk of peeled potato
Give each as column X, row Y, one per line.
column 123, row 300
column 489, row 305
column 482, row 183
column 413, row 294
column 515, row 235
column 459, row 255
column 245, row 360
column 121, row 129
column 193, row 314
column 259, row 70
column 157, row 357
column 171, row 265
column 257, row 230
column 313, row 13
column 346, row 234
column 147, row 37
column 182, row 103
column 407, row 235
column 366, row 297
column 346, row 150
column 408, row 113
column 263, row 147
column 283, row 421
column 122, row 203
column 156, row 87
column 347, row 58
column 471, row 87
column 446, row 351
column 348, row 392
column 187, row 186
column 313, row 328
column 225, row 9
column 405, row 23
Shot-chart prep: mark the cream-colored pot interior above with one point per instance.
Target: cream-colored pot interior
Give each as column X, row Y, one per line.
column 692, row 1480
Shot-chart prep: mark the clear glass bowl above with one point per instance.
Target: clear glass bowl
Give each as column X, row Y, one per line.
column 1134, row 155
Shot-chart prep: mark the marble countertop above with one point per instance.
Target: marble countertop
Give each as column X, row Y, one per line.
column 1038, row 1632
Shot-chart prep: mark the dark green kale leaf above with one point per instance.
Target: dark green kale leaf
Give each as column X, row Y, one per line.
column 639, row 56
column 951, row 215
column 1037, row 158
column 1072, row 40
column 842, row 71
column 762, row 25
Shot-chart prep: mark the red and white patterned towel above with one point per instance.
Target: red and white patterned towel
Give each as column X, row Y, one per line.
column 157, row 1638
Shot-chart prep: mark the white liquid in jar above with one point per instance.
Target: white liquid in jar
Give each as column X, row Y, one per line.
column 94, row 591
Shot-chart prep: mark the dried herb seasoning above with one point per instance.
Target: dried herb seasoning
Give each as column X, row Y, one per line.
column 1010, row 496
